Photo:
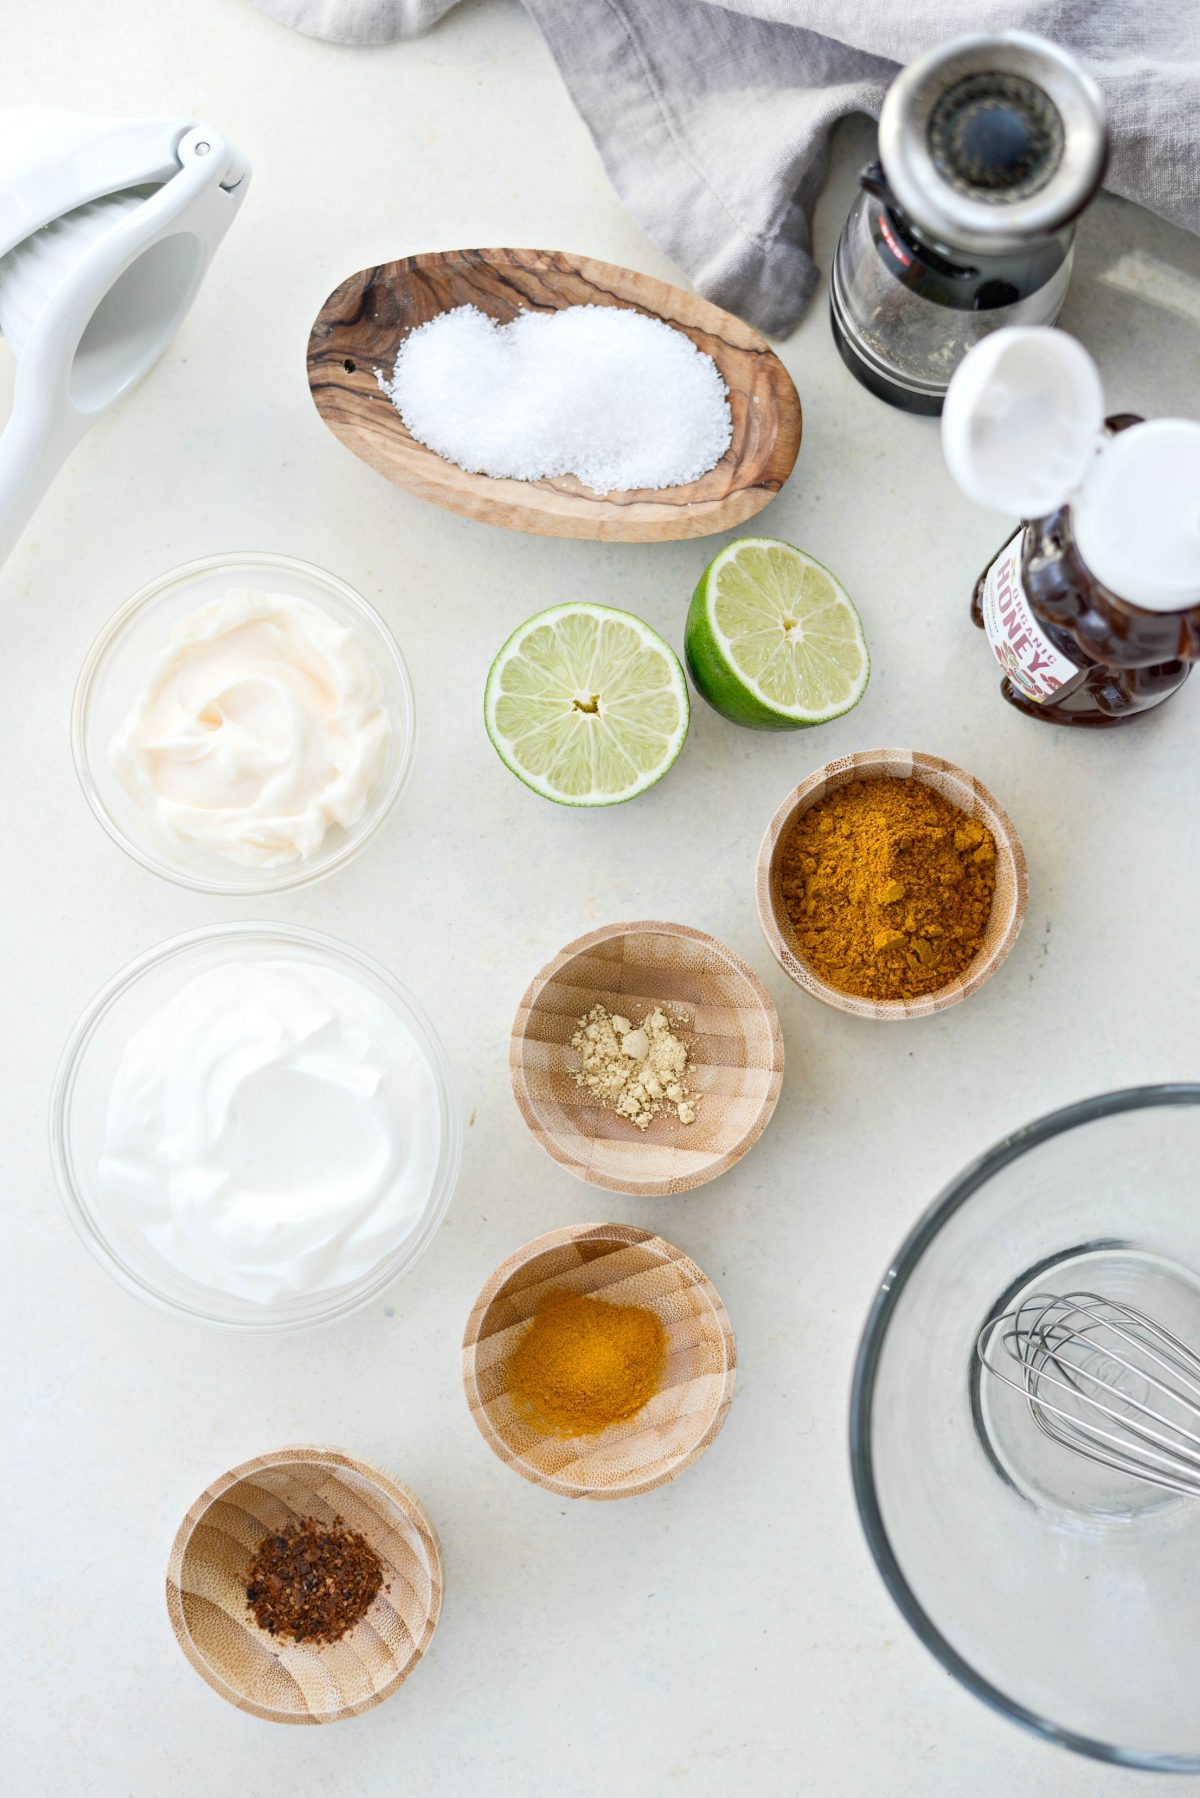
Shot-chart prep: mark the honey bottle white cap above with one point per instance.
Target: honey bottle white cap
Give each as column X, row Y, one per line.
column 1023, row 431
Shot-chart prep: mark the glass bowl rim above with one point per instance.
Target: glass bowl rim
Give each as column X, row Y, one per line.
column 290, row 875
column 326, row 1307
column 866, row 1365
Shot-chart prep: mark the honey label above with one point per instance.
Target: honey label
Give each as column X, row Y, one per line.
column 1037, row 670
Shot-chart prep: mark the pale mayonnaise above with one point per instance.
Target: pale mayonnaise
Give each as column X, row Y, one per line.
column 273, row 1129
column 260, row 724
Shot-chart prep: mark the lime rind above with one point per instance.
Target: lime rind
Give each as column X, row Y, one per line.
column 748, row 665
column 586, row 653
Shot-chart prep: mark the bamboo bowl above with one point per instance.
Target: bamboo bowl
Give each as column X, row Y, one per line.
column 626, row 1266
column 962, row 790
column 360, row 327
column 298, row 1682
column 735, row 1043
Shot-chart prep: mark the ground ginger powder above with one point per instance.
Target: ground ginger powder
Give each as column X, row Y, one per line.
column 888, row 887
column 636, row 1070
column 584, row 1363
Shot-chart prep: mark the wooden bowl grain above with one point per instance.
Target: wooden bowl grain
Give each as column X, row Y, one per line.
column 361, row 325
column 735, row 1042
column 625, row 1266
column 298, row 1682
column 962, row 790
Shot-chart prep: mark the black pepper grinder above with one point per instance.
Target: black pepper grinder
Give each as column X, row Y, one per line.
column 989, row 149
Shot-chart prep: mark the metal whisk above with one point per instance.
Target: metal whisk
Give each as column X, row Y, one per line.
column 1105, row 1381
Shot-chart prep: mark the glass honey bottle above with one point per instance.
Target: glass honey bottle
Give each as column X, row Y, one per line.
column 1092, row 607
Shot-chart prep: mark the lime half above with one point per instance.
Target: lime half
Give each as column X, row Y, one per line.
column 588, row 706
column 772, row 639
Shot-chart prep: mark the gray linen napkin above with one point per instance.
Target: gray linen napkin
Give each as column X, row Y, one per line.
column 713, row 120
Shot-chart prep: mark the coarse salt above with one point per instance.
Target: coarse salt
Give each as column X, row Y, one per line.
column 619, row 400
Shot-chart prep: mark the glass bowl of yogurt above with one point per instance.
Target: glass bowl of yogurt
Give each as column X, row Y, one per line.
column 255, row 1126
column 243, row 724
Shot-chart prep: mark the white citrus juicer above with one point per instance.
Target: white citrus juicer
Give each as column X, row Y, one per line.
column 106, row 229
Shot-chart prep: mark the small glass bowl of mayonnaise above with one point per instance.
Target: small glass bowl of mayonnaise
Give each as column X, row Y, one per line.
column 255, row 1126
column 243, row 724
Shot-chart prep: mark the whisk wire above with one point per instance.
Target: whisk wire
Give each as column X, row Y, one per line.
column 1131, row 1386
column 1182, row 1360
column 1036, row 1371
column 1043, row 1409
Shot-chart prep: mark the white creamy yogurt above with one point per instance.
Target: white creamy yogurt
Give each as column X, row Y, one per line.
column 273, row 1129
column 261, row 723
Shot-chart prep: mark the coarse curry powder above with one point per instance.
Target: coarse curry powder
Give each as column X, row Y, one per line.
column 888, row 887
column 585, row 1363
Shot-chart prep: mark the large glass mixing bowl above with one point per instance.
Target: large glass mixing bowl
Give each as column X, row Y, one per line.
column 1064, row 1595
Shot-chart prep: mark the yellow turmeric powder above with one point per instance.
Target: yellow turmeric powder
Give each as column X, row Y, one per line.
column 584, row 1363
column 888, row 887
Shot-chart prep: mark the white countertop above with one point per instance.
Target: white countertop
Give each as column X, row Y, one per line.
column 729, row 1632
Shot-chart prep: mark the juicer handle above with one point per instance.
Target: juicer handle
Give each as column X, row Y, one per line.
column 63, row 381
column 55, row 160
column 31, row 454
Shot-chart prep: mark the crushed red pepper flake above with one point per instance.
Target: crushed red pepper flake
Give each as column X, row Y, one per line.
column 313, row 1582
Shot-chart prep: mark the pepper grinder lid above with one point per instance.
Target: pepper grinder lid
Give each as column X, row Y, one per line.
column 993, row 140
column 1023, row 431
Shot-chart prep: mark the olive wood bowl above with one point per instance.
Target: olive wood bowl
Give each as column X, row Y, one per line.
column 735, row 1042
column 962, row 790
column 626, row 1266
column 287, row 1682
column 361, row 325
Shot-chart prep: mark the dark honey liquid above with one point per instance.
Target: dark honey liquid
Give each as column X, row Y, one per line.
column 1129, row 660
